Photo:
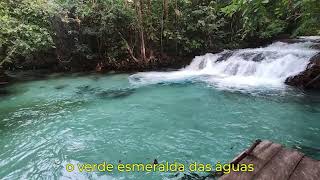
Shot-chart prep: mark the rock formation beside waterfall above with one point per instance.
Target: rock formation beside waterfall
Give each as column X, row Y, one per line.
column 310, row 78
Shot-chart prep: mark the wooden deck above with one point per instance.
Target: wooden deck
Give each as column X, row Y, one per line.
column 274, row 162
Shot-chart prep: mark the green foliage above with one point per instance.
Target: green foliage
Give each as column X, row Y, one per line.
column 111, row 29
column 309, row 23
column 24, row 28
column 266, row 18
column 260, row 18
column 109, row 22
column 203, row 27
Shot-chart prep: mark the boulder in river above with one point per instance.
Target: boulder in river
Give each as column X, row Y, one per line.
column 309, row 78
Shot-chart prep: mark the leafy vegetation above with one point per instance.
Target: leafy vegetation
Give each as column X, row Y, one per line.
column 267, row 18
column 144, row 31
column 24, row 28
column 309, row 22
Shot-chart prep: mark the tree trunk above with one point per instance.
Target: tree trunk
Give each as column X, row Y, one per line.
column 176, row 25
column 162, row 27
column 166, row 7
column 138, row 4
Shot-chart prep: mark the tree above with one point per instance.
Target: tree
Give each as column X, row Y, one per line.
column 139, row 11
column 24, row 28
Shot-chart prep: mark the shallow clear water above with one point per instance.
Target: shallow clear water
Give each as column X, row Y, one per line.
column 48, row 123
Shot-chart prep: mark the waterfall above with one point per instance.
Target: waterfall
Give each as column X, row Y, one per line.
column 265, row 66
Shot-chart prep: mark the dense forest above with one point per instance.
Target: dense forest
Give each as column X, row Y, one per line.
column 160, row 89
column 72, row 35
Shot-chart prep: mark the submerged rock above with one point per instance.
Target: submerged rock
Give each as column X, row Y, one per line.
column 85, row 89
column 61, row 86
column 115, row 93
column 309, row 78
column 104, row 94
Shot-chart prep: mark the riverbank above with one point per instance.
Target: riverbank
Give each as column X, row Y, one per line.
column 44, row 63
column 30, row 69
column 33, row 72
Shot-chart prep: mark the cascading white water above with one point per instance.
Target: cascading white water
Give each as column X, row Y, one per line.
column 268, row 66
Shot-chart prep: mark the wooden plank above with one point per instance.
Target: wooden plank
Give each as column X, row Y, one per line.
column 259, row 157
column 307, row 169
column 261, row 147
column 280, row 166
column 246, row 153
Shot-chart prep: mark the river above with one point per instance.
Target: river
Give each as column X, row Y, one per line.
column 207, row 112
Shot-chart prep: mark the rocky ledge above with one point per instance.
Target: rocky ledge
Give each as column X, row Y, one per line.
column 310, row 78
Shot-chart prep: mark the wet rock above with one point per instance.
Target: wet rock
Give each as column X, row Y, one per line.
column 118, row 93
column 61, row 86
column 247, row 55
column 309, row 78
column 315, row 46
column 252, row 56
column 298, row 39
column 292, row 40
column 104, row 94
column 202, row 64
column 224, row 56
column 314, row 39
column 258, row 57
column 85, row 89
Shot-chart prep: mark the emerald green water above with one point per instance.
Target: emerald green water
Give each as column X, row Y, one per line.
column 85, row 119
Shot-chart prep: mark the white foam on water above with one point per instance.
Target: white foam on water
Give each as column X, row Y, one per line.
column 310, row 37
column 245, row 68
